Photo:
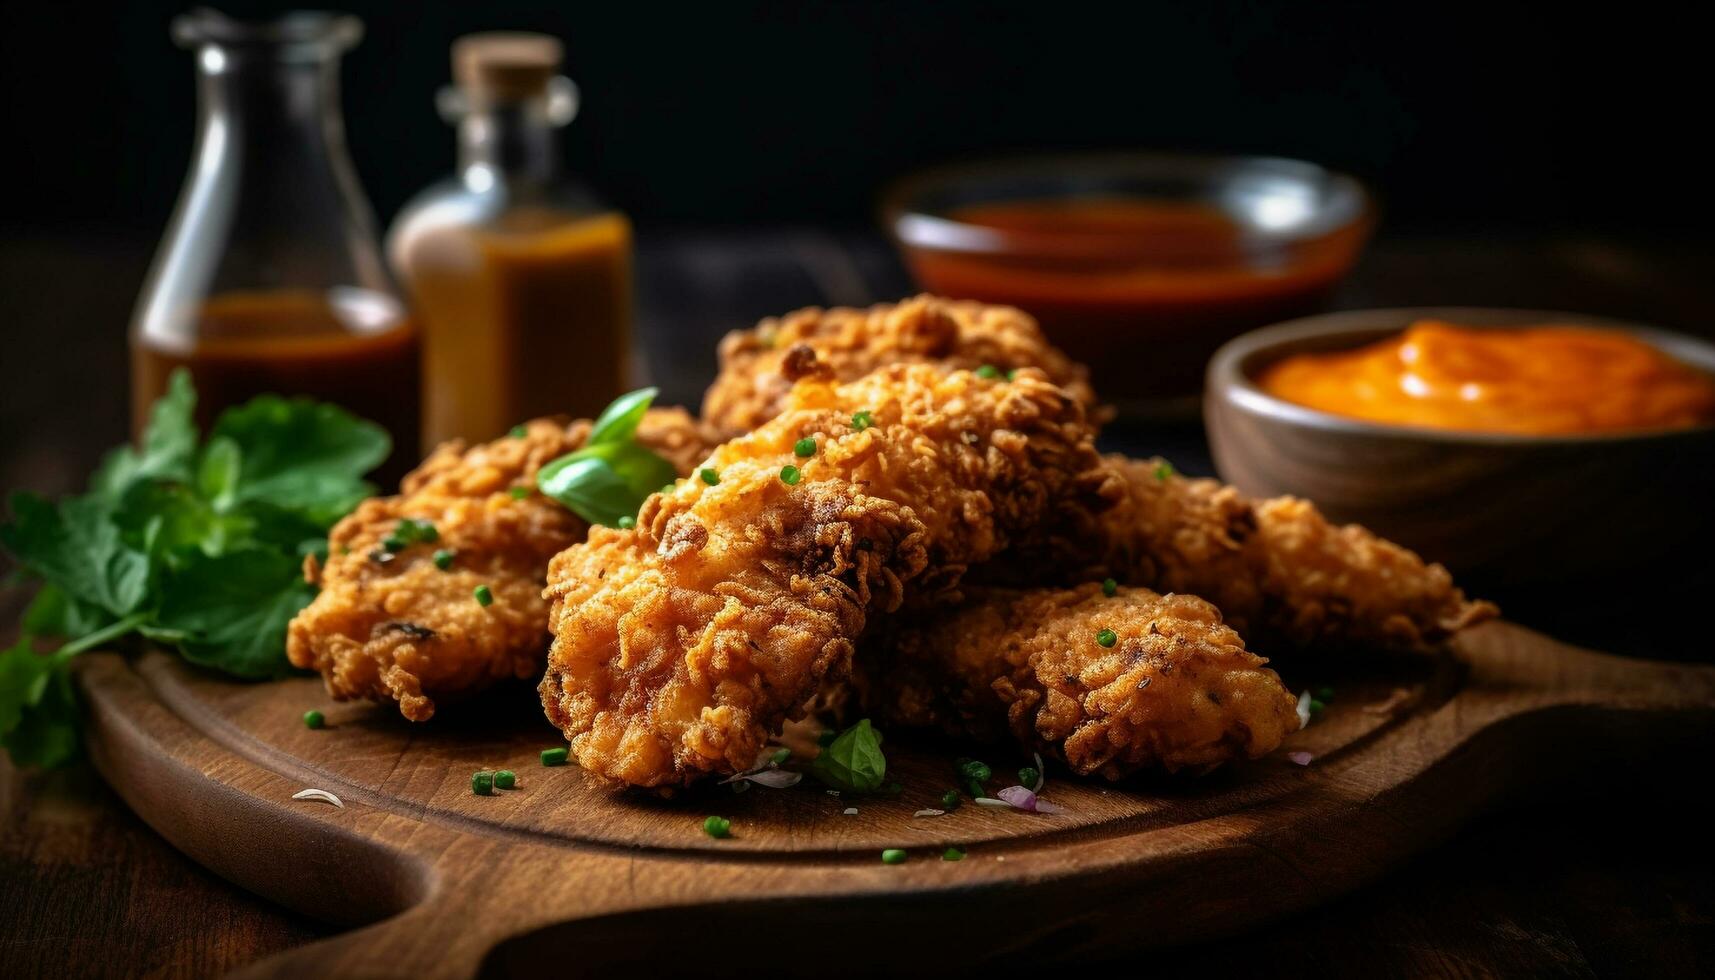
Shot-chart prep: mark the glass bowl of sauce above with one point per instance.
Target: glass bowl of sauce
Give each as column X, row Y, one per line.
column 1140, row 265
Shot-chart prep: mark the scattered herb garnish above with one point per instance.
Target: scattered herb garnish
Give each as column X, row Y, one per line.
column 709, row 476
column 505, row 779
column 790, row 475
column 862, row 420
column 482, row 782
column 988, row 371
column 484, row 595
column 893, row 855
column 1109, row 587
column 950, row 800
column 314, row 719
column 804, row 448
column 194, row 544
column 1029, row 778
column 1163, row 470
column 519, row 493
column 1324, row 694
column 517, row 432
column 952, row 854
column 444, row 558
column 780, row 756
column 626, row 523
column 612, row 474
column 853, row 761
column 1012, row 375
column 556, row 756
column 1107, row 638
column 717, row 827
column 975, row 774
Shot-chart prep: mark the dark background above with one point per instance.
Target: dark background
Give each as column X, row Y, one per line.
column 1487, row 116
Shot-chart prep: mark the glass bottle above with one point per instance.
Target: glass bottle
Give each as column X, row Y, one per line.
column 269, row 278
column 521, row 278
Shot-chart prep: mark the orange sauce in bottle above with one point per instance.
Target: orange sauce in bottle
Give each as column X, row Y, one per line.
column 351, row 347
column 1543, row 380
column 529, row 315
column 1143, row 291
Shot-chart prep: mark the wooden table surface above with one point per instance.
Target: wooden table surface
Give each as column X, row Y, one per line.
column 1617, row 883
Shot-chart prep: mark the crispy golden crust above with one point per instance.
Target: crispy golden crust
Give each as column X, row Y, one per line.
column 682, row 645
column 759, row 366
column 396, row 627
column 1279, row 572
column 1177, row 690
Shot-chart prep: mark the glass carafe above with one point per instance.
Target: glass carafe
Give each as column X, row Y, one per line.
column 270, row 278
column 520, row 277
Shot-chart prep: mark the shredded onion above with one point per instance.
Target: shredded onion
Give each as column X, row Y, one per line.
column 1302, row 758
column 318, row 794
column 850, row 811
column 1041, row 773
column 1021, row 798
column 1304, row 710
column 930, row 813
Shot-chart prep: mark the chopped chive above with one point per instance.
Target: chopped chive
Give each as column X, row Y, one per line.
column 555, row 756
column 952, row 854
column 709, row 475
column 790, row 475
column 345, row 549
column 804, row 448
column 988, row 371
column 314, row 719
column 973, row 769
column 1109, row 587
column 505, row 779
column 1317, row 707
column 1012, row 375
column 484, row 595
column 516, row 432
column 893, row 855
column 717, row 827
column 1028, row 776
column 1163, row 470
column 444, row 559
column 862, row 420
column 1107, row 638
column 482, row 782
column 950, row 800
column 668, row 488
column 626, row 523
column 394, row 542
column 519, row 493
column 1324, row 694
column 780, row 755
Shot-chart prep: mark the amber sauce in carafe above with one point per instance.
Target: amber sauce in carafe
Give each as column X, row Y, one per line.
column 351, row 347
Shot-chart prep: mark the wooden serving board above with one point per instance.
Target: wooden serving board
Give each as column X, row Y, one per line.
column 561, row 873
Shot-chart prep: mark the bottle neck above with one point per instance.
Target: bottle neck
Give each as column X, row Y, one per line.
column 512, row 145
column 284, row 111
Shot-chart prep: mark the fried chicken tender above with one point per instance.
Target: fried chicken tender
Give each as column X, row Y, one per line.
column 1282, row 575
column 682, row 645
column 759, row 366
column 391, row 625
column 1176, row 689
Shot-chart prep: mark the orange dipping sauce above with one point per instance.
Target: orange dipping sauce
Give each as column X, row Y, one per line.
column 1547, row 380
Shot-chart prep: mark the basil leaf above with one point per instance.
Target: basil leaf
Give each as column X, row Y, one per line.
column 619, row 420
column 231, row 611
column 853, row 761
column 77, row 547
column 602, row 483
column 302, row 456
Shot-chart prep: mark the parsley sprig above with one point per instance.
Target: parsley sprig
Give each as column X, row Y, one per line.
column 194, row 544
column 608, row 478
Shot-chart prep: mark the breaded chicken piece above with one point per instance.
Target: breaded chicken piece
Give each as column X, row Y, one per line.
column 759, row 366
column 682, row 645
column 394, row 626
column 1175, row 689
column 1282, row 575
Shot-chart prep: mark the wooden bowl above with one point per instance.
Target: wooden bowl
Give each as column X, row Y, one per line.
column 1498, row 509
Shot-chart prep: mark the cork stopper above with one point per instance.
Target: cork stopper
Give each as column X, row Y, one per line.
column 505, row 66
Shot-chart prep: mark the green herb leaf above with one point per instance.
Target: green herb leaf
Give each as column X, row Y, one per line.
column 53, row 613
column 603, row 483
column 38, row 708
column 230, row 612
column 302, row 456
column 77, row 547
column 618, row 422
column 853, row 761
column 168, row 446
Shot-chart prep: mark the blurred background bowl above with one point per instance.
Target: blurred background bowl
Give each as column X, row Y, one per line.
column 1138, row 264
column 1502, row 511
